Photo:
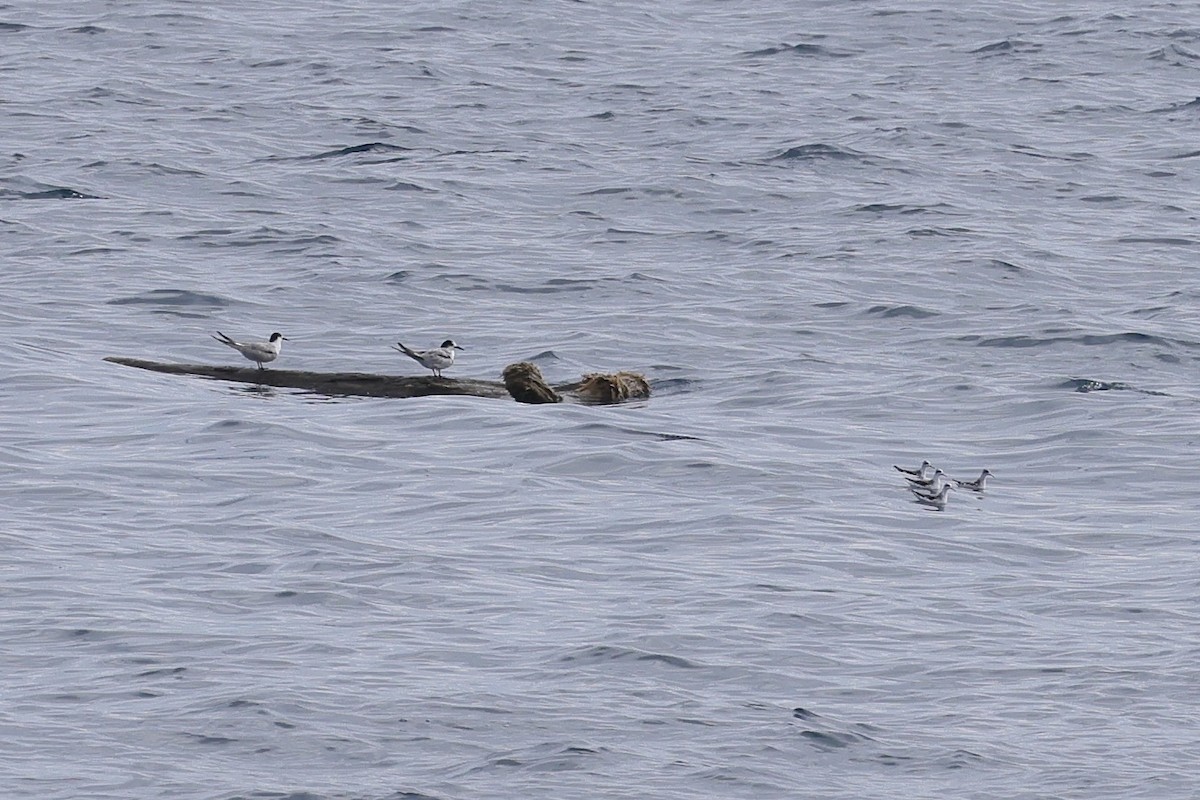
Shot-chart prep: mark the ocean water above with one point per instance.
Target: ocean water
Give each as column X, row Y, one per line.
column 836, row 236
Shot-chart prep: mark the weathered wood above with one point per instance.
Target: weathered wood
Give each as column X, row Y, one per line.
column 358, row 384
column 523, row 382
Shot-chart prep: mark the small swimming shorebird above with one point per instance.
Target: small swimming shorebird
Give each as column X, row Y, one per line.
column 258, row 352
column 919, row 472
column 977, row 485
column 932, row 484
column 938, row 500
column 437, row 359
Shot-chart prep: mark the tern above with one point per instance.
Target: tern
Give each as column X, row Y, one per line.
column 938, row 500
column 919, row 472
column 436, row 359
column 258, row 352
column 977, row 485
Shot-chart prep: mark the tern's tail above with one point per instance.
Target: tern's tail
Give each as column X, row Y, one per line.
column 223, row 339
column 410, row 353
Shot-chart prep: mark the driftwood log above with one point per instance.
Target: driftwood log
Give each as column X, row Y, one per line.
column 522, row 381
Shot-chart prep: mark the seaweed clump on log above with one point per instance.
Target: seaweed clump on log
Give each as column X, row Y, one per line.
column 524, row 382
column 616, row 387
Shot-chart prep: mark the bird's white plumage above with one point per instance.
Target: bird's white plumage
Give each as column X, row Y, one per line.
column 979, row 484
column 920, row 472
column 258, row 352
column 437, row 359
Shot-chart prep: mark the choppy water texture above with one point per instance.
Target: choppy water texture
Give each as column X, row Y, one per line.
column 837, row 237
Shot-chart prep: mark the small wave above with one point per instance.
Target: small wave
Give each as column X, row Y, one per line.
column 889, row 208
column 405, row 186
column 602, row 652
column 1090, row 340
column 997, row 263
column 1177, row 241
column 48, row 193
column 888, row 312
column 1007, row 47
column 819, row 151
column 1190, row 105
column 172, row 298
column 356, row 149
column 262, row 235
column 798, row 50
column 829, row 739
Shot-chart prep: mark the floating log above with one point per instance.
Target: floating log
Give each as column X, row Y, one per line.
column 523, row 382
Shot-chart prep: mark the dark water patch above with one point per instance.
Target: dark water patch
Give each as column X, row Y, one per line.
column 828, row 734
column 12, row 27
column 605, row 653
column 405, row 186
column 97, row 251
column 48, row 193
column 890, row 208
column 801, row 49
column 1005, row 266
column 1190, row 105
column 200, row 738
column 550, row 286
column 165, row 672
column 1180, row 156
column 1027, row 150
column 264, row 235
column 172, row 299
column 819, row 151
column 1090, row 340
column 613, row 432
column 1174, row 241
column 1006, row 47
column 603, row 115
column 162, row 169
column 925, row 232
column 608, row 190
column 889, row 312
column 1102, row 198
column 1086, row 385
column 341, row 152
column 87, row 29
column 621, row 234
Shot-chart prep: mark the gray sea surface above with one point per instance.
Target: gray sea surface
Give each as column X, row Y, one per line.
column 836, row 237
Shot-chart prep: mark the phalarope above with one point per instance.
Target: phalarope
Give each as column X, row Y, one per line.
column 977, row 485
column 919, row 472
column 936, row 500
column 933, row 483
column 437, row 359
column 258, row 352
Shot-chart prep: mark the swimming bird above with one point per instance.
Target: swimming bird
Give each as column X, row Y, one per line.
column 977, row 485
column 258, row 352
column 938, row 500
column 437, row 359
column 933, row 483
column 919, row 472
